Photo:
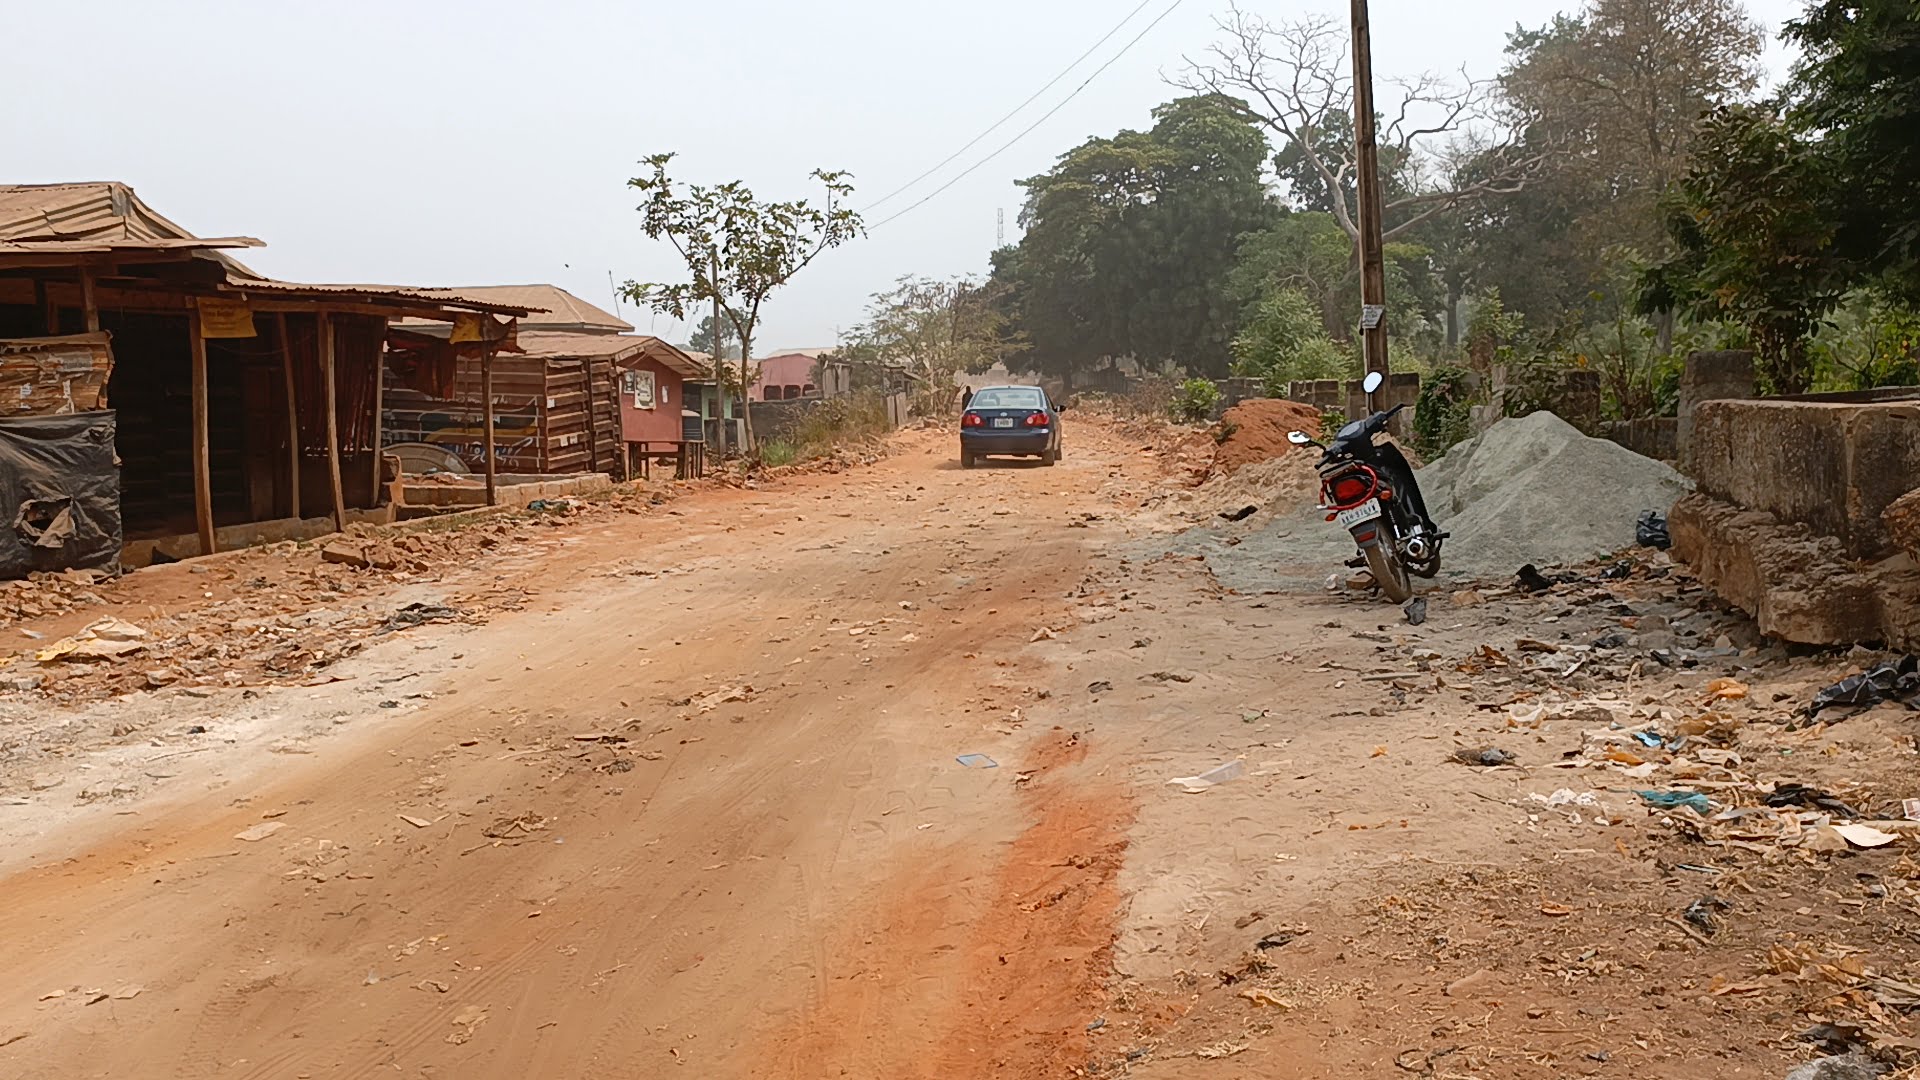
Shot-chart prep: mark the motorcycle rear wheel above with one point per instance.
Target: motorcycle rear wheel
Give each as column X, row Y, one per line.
column 1389, row 572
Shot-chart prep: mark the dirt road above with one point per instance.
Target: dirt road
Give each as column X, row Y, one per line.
column 698, row 804
column 694, row 792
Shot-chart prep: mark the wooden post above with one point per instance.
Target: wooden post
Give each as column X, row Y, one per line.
column 333, row 422
column 486, row 393
column 202, row 467
column 89, row 305
column 293, row 414
column 49, row 313
column 1373, row 267
column 379, row 420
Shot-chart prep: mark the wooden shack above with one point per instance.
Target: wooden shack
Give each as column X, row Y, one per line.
column 240, row 400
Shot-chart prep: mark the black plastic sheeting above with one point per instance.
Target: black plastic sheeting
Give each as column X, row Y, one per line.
column 1893, row 680
column 59, row 493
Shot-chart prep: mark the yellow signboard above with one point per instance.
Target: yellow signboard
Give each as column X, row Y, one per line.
column 224, row 318
column 468, row 327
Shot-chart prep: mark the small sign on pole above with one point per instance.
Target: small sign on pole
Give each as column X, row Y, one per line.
column 1371, row 314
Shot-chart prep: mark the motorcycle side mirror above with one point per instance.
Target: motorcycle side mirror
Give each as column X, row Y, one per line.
column 1298, row 438
column 1372, row 382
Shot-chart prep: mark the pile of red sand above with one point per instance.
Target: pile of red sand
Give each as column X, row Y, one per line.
column 1256, row 430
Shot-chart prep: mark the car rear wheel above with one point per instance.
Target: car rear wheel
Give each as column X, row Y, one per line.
column 966, row 460
column 1050, row 457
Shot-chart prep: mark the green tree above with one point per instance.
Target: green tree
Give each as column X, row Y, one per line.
column 1293, row 78
column 933, row 328
column 1751, row 225
column 1856, row 90
column 1608, row 98
column 737, row 249
column 702, row 340
column 1123, row 253
column 1284, row 341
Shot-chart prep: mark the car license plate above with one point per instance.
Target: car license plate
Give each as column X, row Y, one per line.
column 1003, row 421
column 1365, row 512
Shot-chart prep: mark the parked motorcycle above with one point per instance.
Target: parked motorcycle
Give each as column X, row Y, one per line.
column 1370, row 491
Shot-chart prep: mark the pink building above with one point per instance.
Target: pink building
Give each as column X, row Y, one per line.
column 785, row 375
column 655, row 406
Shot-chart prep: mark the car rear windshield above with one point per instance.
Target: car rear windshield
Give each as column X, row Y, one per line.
column 1019, row 397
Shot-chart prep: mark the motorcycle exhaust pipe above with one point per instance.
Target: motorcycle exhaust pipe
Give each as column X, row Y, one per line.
column 1417, row 549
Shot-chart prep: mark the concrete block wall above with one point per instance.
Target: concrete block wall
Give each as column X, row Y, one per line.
column 1833, row 466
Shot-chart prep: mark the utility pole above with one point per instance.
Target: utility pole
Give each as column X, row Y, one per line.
column 720, row 360
column 1373, row 266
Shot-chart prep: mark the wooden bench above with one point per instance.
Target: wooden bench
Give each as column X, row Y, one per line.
column 689, row 459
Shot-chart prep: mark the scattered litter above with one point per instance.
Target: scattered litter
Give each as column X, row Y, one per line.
column 1674, row 800
column 1045, row 633
column 1853, row 1066
column 1529, row 579
column 1212, row 778
column 1416, row 610
column 1650, row 531
column 254, row 833
column 1910, row 809
column 1262, row 996
column 713, row 699
column 513, row 827
column 1486, row 757
column 1566, row 797
column 977, row 761
column 1864, row 836
column 107, row 639
column 1241, row 514
column 416, row 615
column 1170, row 676
column 1099, row 686
column 1725, row 690
column 465, row 1022
column 1802, row 795
column 416, row 822
column 1704, row 914
column 1650, row 739
column 1553, row 910
column 1893, row 680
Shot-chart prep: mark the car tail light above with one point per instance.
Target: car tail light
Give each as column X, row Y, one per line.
column 1038, row 419
column 1350, row 489
column 971, row 420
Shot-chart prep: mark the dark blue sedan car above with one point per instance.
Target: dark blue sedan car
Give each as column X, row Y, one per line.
column 1010, row 420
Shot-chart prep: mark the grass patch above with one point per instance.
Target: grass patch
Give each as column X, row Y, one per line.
column 778, row 452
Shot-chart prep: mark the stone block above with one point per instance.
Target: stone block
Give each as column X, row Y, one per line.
column 1902, row 518
column 1710, row 376
column 1833, row 466
column 1798, row 585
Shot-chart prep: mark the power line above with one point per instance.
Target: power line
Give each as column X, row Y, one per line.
column 997, row 124
column 971, row 169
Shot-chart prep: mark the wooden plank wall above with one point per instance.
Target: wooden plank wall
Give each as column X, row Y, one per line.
column 552, row 416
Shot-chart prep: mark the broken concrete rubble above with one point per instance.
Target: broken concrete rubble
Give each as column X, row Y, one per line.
column 1802, row 518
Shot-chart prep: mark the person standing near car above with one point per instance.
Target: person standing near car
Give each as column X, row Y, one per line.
column 966, row 398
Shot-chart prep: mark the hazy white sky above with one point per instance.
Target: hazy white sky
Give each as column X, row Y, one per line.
column 434, row 142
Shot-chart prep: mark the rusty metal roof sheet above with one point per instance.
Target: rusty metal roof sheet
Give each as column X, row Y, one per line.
column 449, row 298
column 561, row 309
column 620, row 348
column 97, row 210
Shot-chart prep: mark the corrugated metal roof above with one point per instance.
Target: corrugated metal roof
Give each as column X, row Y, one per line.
column 376, row 293
column 560, row 310
column 110, row 244
column 620, row 348
column 559, row 344
column 97, row 210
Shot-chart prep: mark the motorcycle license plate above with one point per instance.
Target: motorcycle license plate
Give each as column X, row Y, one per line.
column 1365, row 512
